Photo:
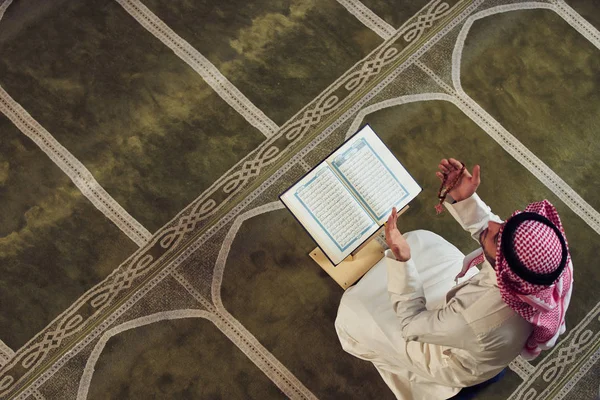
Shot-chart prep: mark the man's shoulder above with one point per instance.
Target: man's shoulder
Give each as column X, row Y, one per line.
column 489, row 313
column 488, row 305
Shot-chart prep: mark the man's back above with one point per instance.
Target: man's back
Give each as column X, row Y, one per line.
column 496, row 333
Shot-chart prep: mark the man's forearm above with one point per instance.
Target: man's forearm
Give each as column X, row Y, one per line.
column 472, row 214
column 405, row 290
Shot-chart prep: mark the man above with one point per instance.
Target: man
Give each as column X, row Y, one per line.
column 428, row 337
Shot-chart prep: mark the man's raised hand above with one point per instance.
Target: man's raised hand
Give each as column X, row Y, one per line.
column 467, row 185
column 394, row 238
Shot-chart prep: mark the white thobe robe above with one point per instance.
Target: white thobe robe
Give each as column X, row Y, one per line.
column 426, row 336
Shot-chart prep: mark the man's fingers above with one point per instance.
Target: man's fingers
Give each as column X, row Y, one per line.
column 389, row 223
column 477, row 174
column 455, row 163
column 443, row 168
column 448, row 167
column 440, row 175
column 389, row 227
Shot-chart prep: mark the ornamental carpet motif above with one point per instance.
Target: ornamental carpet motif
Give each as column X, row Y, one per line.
column 144, row 252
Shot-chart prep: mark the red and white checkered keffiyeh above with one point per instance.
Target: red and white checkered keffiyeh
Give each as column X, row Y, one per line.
column 539, row 249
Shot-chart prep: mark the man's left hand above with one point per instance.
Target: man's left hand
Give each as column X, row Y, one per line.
column 394, row 238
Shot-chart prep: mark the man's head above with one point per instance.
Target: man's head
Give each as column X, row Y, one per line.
column 534, row 272
column 530, row 247
column 532, row 241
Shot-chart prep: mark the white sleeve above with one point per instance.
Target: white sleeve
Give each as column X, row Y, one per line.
column 445, row 326
column 472, row 214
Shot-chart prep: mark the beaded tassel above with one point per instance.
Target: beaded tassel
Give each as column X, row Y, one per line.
column 446, row 187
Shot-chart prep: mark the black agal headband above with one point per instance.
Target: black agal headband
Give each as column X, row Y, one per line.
column 508, row 250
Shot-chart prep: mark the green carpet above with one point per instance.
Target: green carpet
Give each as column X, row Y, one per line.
column 223, row 301
column 150, row 130
column 51, row 234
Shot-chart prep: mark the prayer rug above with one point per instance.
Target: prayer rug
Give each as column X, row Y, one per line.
column 144, row 250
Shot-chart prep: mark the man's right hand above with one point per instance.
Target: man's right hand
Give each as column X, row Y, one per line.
column 466, row 186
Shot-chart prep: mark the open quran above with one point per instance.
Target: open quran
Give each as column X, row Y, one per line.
column 346, row 198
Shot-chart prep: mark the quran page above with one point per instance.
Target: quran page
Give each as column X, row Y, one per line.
column 329, row 212
column 373, row 174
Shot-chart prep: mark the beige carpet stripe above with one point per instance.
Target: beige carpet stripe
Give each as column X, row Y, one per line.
column 369, row 18
column 579, row 23
column 37, row 395
column 304, row 164
column 522, row 367
column 80, row 176
column 202, row 66
column 193, row 292
column 505, row 139
column 6, row 353
column 3, row 6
